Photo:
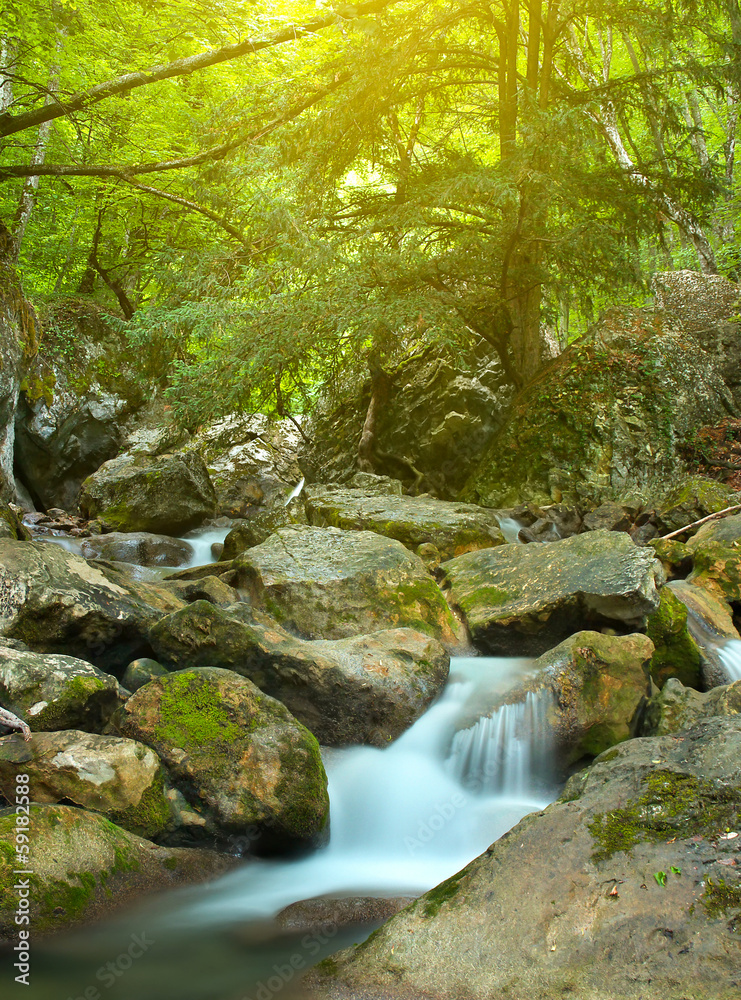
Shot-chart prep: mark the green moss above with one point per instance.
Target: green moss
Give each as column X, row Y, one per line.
column 305, row 809
column 327, row 967
column 676, row 653
column 151, row 816
column 68, row 708
column 73, row 896
column 192, row 715
column 720, row 897
column 671, row 805
column 170, row 863
column 443, row 893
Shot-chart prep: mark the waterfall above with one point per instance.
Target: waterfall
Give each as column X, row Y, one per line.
column 730, row 656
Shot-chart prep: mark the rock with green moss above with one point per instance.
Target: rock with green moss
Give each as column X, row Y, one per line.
column 324, row 583
column 140, row 672
column 613, row 891
column 56, row 692
column 208, row 588
column 11, row 525
column 238, row 756
column 120, row 778
column 57, row 602
column 710, row 624
column 599, row 683
column 85, row 867
column 677, row 654
column 691, row 499
column 454, row 528
column 724, row 530
column 675, row 557
column 677, row 707
column 717, row 569
column 648, row 386
column 168, row 494
column 260, row 527
column 522, row 600
column 366, row 689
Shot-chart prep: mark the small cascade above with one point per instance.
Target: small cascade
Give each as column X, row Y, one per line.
column 730, row 656
column 510, row 528
column 508, row 752
column 294, row 492
column 201, row 541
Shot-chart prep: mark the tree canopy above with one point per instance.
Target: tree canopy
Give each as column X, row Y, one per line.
column 280, row 193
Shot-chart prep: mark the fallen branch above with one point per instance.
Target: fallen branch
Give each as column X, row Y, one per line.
column 696, row 524
column 8, row 719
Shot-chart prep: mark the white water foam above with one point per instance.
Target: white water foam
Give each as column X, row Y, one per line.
column 730, row 655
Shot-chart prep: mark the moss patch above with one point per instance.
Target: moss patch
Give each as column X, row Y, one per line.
column 443, row 893
column 192, row 715
column 677, row 653
column 720, row 897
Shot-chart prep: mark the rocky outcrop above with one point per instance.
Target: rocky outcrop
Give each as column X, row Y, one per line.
column 56, row 692
column 245, row 534
column 323, row 583
column 82, row 387
column 122, row 779
column 85, row 868
column 626, row 887
column 439, row 415
column 57, row 602
column 707, row 305
column 676, row 707
column 692, row 498
column 648, row 385
column 238, row 756
column 522, row 600
column 139, row 547
column 453, row 528
column 169, row 494
column 367, row 689
column 19, row 335
column 11, row 525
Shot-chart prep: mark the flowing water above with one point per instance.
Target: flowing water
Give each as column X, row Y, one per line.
column 403, row 819
column 730, row 655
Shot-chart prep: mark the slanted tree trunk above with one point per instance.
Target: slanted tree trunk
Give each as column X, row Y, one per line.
column 380, row 387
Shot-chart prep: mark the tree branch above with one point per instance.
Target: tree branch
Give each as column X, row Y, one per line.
column 10, row 124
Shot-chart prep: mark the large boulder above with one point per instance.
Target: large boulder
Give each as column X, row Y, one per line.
column 692, row 498
column 169, row 494
column 676, row 653
column 323, row 583
column 19, row 336
column 85, row 867
column 440, row 412
column 366, row 689
column 247, row 533
column 56, row 602
column 677, row 707
column 626, row 887
column 139, row 547
column 454, row 528
column 120, row 778
column 522, row 600
column 707, row 305
column 56, row 692
column 606, row 419
column 238, row 755
column 710, row 625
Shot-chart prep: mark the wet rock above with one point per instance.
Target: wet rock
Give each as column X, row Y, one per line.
column 11, row 525
column 56, row 602
column 237, row 755
column 452, row 527
column 323, row 583
column 140, row 672
column 122, row 779
column 207, row 588
column 139, row 547
column 710, row 623
column 260, row 527
column 56, row 692
column 677, row 707
column 366, row 689
column 676, row 654
column 567, row 903
column 169, row 494
column 675, row 557
column 524, row 600
column 350, row 911
column 723, row 531
column 85, row 868
column 609, row 516
column 627, row 440
column 693, row 498
column 717, row 569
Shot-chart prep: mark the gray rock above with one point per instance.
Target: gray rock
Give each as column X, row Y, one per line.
column 567, row 902
column 367, row 689
column 260, row 527
column 85, row 868
column 238, row 755
column 56, row 692
column 677, row 707
column 56, row 602
column 523, row 600
column 724, row 530
column 323, row 583
column 692, row 498
column 454, row 528
column 139, row 547
column 169, row 494
column 140, row 672
column 368, row 482
column 627, row 441
column 122, row 779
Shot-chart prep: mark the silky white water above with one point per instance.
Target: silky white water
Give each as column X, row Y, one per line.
column 730, row 655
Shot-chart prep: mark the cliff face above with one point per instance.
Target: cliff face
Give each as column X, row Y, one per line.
column 19, row 331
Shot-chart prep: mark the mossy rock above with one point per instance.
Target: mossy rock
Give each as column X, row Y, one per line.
column 692, row 499
column 11, row 525
column 238, row 755
column 676, row 654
